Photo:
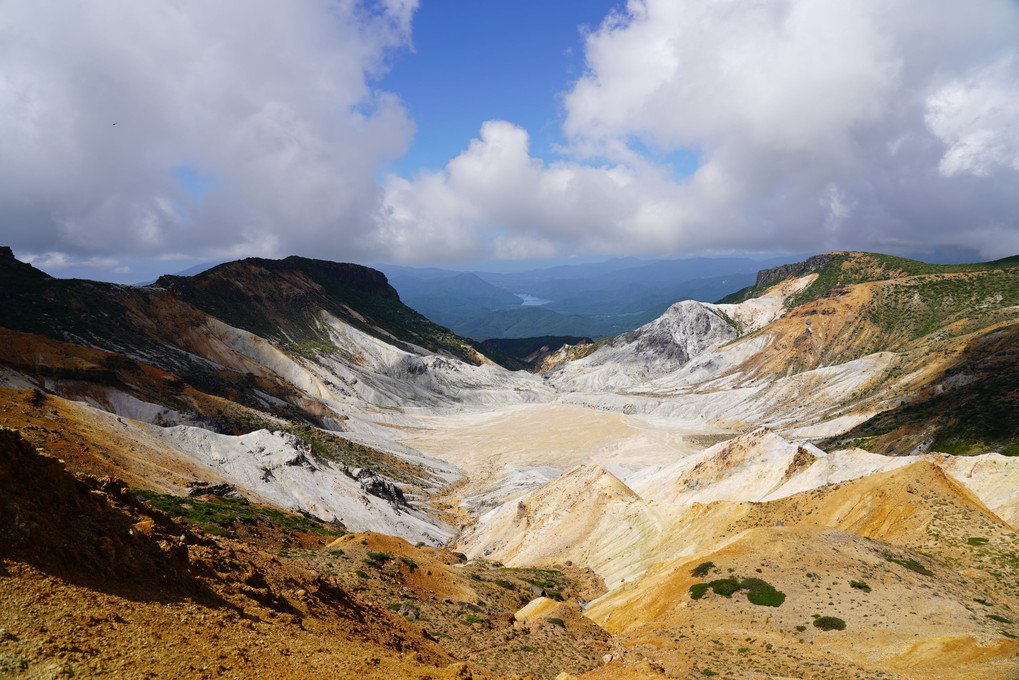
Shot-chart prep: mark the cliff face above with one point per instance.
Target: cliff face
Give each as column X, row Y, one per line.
column 768, row 277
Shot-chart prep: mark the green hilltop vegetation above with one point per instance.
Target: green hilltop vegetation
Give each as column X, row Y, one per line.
column 847, row 268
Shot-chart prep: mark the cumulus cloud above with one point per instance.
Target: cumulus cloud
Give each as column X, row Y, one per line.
column 183, row 128
column 842, row 124
column 103, row 103
column 978, row 120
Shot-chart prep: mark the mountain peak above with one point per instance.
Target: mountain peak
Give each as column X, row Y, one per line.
column 11, row 267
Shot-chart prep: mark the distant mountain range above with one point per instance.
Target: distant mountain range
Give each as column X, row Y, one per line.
column 596, row 300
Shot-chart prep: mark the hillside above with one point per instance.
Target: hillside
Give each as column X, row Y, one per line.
column 285, row 449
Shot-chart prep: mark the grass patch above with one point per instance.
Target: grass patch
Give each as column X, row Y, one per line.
column 998, row 618
column 977, row 541
column 218, row 516
column 910, row 564
column 377, row 559
column 698, row 590
column 411, row 564
column 473, row 618
column 860, row 585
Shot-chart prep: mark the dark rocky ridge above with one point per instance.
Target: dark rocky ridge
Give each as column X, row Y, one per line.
column 766, row 277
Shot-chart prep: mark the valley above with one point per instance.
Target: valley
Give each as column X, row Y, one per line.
column 275, row 468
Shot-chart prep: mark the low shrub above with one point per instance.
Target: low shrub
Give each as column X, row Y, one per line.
column 698, row 590
column 829, row 623
column 976, row 540
column 759, row 591
column 702, row 569
column 860, row 585
column 762, row 593
column 725, row 586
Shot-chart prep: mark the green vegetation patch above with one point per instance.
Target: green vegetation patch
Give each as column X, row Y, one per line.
column 411, row 564
column 762, row 593
column 976, row 540
column 218, row 516
column 829, row 623
column 377, row 559
column 860, row 585
column 998, row 618
column 725, row 586
column 698, row 590
column 759, row 591
column 910, row 564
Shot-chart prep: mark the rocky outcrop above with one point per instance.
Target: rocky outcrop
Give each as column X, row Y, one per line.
column 378, row 486
column 686, row 330
column 767, row 277
column 220, row 490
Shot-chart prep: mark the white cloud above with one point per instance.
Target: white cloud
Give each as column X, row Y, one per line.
column 100, row 100
column 978, row 119
column 819, row 125
column 837, row 124
column 58, row 261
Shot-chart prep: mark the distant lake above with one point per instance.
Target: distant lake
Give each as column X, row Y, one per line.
column 531, row 301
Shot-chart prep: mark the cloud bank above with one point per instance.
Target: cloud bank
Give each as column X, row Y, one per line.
column 843, row 124
column 164, row 127
column 183, row 128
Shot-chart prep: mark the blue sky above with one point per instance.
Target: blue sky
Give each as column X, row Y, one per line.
column 478, row 61
column 459, row 133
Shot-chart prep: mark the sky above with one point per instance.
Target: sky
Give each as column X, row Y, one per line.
column 145, row 137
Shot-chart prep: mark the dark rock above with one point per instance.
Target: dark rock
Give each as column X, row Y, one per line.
column 766, row 277
column 221, row 490
column 378, row 486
